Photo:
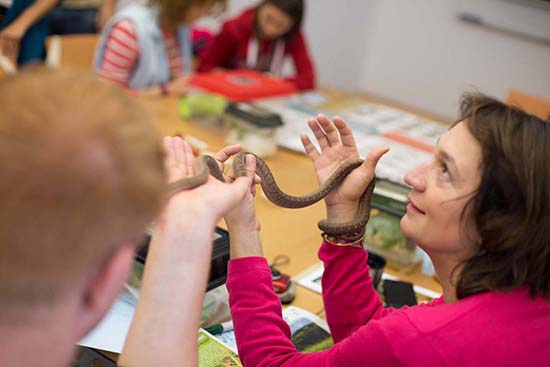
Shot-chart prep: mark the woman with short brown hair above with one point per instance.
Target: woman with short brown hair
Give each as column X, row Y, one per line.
column 479, row 208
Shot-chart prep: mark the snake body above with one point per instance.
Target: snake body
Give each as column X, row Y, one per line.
column 206, row 165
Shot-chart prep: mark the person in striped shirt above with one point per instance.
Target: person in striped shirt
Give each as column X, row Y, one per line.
column 147, row 49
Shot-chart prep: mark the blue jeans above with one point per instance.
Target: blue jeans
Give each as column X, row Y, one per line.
column 72, row 21
column 59, row 21
column 32, row 46
column 3, row 12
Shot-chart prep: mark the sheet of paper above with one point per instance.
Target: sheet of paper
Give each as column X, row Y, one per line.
column 311, row 279
column 111, row 332
column 409, row 137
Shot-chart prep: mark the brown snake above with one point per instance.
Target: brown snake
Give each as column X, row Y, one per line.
column 206, row 165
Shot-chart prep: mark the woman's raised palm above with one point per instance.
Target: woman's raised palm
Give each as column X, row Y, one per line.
column 337, row 146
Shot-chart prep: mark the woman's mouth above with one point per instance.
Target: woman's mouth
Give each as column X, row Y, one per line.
column 412, row 208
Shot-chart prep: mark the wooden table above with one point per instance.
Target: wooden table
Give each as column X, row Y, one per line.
column 291, row 232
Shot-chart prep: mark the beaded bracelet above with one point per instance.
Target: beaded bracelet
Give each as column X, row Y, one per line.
column 336, row 241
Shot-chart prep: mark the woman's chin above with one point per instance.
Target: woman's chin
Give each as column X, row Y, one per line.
column 408, row 228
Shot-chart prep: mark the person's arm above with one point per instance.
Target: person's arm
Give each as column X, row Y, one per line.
column 178, row 86
column 304, row 78
column 104, row 13
column 220, row 51
column 263, row 337
column 350, row 298
column 166, row 322
column 120, row 57
column 121, row 53
column 10, row 37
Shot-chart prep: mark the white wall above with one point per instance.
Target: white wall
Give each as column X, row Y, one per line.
column 337, row 33
column 417, row 52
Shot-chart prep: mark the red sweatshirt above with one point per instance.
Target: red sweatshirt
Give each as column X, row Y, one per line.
column 489, row 329
column 230, row 48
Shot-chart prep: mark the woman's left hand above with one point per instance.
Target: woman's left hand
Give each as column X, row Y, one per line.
column 338, row 146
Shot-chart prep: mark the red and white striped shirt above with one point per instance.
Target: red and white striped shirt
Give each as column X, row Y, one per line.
column 122, row 52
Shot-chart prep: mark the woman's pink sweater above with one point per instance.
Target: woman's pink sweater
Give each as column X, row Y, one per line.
column 488, row 329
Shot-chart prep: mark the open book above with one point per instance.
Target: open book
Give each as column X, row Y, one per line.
column 309, row 334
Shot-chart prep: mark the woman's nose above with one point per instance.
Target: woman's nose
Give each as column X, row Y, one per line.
column 416, row 177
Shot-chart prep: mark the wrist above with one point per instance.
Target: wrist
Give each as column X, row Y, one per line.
column 19, row 27
column 180, row 213
column 342, row 213
column 245, row 244
column 242, row 228
column 352, row 239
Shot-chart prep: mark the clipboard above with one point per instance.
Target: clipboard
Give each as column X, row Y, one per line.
column 242, row 85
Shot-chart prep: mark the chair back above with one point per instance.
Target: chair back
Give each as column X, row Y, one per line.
column 530, row 103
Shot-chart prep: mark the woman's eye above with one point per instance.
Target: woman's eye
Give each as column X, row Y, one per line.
column 443, row 168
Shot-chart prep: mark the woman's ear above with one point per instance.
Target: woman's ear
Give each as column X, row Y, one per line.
column 102, row 289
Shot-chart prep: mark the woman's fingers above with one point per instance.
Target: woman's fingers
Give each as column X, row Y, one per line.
column 230, row 174
column 319, row 134
column 346, row 135
column 332, row 135
column 257, row 179
column 372, row 158
column 224, row 154
column 242, row 183
column 311, row 150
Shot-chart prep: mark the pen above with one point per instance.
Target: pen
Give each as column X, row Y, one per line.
column 220, row 328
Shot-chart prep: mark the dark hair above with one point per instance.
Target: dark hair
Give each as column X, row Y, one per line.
column 292, row 8
column 511, row 207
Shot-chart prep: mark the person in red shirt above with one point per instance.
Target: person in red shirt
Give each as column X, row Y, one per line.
column 260, row 38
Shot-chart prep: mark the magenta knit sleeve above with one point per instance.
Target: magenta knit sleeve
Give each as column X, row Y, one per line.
column 263, row 337
column 348, row 293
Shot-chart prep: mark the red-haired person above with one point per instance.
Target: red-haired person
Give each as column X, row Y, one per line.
column 83, row 174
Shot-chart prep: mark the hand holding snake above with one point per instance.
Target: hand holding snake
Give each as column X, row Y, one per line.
column 346, row 182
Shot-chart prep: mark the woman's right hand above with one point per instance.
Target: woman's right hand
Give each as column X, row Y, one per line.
column 338, row 146
column 242, row 222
